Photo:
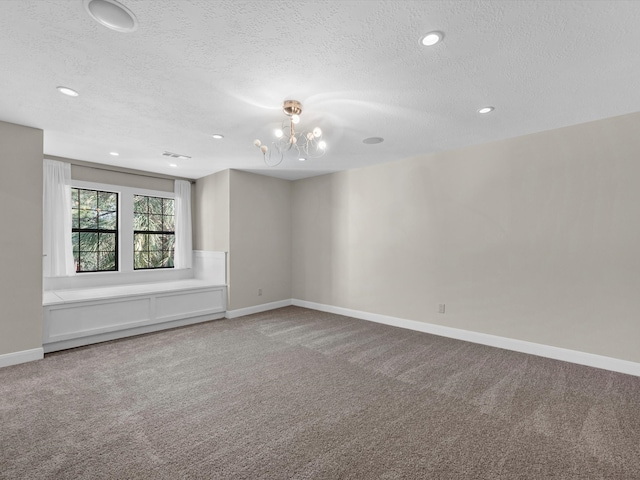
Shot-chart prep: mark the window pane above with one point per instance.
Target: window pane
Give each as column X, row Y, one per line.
column 169, row 223
column 155, row 223
column 89, row 261
column 140, row 242
column 167, row 206
column 75, row 218
column 107, row 242
column 167, row 242
column 140, row 221
column 155, row 205
column 155, row 241
column 88, row 200
column 88, row 242
column 141, row 260
column 88, row 219
column 155, row 259
column 106, row 261
column 107, row 201
column 108, row 221
column 140, row 204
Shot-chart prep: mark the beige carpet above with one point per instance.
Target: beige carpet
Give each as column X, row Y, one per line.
column 295, row 393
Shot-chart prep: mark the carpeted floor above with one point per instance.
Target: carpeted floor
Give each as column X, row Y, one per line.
column 297, row 394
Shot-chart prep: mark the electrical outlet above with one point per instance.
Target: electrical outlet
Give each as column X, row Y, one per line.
column 259, row 292
column 441, row 308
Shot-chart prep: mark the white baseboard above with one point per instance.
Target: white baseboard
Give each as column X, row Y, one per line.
column 557, row 353
column 241, row 312
column 23, row 356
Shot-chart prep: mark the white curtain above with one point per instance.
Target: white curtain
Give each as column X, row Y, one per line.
column 56, row 234
column 183, row 248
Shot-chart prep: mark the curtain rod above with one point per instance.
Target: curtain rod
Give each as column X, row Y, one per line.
column 109, row 168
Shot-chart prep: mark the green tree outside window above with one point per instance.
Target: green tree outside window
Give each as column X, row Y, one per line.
column 153, row 232
column 94, row 222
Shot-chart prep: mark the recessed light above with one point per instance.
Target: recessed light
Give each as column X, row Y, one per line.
column 432, row 38
column 486, row 110
column 217, row 136
column 302, row 159
column 173, row 165
column 373, row 140
column 115, row 154
column 68, row 91
column 112, row 15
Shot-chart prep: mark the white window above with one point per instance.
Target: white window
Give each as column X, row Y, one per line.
column 118, row 228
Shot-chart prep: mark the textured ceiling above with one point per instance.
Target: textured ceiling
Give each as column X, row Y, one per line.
column 198, row 67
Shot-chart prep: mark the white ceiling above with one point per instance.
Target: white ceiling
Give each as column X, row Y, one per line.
column 198, row 67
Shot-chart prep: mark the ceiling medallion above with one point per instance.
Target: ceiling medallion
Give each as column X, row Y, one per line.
column 304, row 144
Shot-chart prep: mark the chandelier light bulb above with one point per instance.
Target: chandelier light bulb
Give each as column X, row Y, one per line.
column 317, row 132
column 279, row 133
column 293, row 139
column 322, row 145
column 257, row 142
column 264, row 149
column 295, row 119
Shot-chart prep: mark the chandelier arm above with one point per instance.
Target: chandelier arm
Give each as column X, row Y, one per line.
column 272, row 164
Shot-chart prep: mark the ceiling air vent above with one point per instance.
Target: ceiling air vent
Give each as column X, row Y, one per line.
column 175, row 155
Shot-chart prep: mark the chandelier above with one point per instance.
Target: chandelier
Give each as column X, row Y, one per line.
column 304, row 144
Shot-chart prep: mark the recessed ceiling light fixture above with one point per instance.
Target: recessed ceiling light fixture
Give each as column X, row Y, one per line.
column 173, row 165
column 431, row 38
column 114, row 154
column 217, row 136
column 373, row 140
column 305, row 144
column 68, row 91
column 112, row 15
column 486, row 110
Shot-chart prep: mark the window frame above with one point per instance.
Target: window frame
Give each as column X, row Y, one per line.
column 96, row 230
column 154, row 232
column 125, row 226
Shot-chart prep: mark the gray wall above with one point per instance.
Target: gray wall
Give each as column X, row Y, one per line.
column 260, row 239
column 249, row 216
column 21, row 238
column 211, row 221
column 533, row 238
column 127, row 179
